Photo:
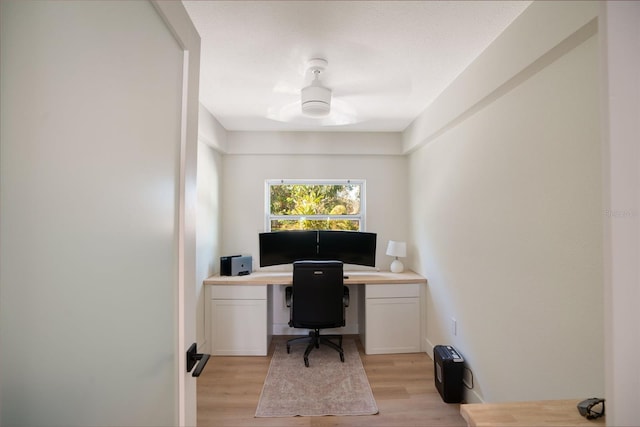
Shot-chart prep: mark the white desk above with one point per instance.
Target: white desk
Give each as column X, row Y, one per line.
column 239, row 317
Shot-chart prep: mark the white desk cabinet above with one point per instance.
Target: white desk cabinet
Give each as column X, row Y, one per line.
column 239, row 320
column 239, row 311
column 391, row 319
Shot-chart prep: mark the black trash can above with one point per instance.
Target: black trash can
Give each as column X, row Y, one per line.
column 448, row 367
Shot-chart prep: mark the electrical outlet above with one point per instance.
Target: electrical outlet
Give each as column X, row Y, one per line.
column 454, row 326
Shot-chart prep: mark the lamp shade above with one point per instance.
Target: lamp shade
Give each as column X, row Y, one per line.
column 397, row 249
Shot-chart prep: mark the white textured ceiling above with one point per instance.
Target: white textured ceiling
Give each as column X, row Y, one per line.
column 388, row 60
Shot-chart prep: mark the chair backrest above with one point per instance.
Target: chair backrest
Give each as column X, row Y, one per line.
column 318, row 289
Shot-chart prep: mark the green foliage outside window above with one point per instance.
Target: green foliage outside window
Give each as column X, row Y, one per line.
column 314, row 207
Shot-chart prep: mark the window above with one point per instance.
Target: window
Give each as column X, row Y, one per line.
column 315, row 205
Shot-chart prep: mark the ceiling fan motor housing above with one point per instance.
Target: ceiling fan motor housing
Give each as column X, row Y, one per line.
column 316, row 100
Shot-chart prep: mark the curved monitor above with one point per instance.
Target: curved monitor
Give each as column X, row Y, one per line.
column 286, row 247
column 350, row 247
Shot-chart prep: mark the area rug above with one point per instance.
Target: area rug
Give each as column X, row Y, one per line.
column 326, row 387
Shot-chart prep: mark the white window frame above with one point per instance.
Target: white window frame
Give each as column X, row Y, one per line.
column 267, row 200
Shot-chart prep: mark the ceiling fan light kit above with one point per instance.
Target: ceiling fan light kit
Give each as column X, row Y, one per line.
column 315, row 99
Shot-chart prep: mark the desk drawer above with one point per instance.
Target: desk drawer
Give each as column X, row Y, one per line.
column 255, row 292
column 405, row 290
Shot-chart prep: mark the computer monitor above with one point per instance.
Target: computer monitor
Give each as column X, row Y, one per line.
column 350, row 247
column 285, row 247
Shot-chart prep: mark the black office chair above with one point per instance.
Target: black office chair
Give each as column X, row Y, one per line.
column 317, row 299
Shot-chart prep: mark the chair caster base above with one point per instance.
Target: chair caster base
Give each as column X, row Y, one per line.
column 313, row 341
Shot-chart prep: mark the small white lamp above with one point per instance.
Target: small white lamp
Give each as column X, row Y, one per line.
column 397, row 249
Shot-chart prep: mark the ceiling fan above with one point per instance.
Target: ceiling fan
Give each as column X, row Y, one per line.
column 305, row 99
column 315, row 103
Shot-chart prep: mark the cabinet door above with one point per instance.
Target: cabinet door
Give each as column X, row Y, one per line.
column 238, row 327
column 392, row 325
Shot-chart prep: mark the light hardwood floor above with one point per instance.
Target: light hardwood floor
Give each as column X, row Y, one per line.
column 402, row 384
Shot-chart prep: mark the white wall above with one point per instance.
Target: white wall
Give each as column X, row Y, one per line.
column 212, row 139
column 506, row 59
column 507, row 225
column 95, row 221
column 209, row 228
column 309, row 143
column 243, row 201
column 621, row 102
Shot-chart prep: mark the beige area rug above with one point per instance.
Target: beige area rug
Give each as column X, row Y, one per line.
column 326, row 387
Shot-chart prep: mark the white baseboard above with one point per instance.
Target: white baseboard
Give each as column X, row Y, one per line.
column 429, row 346
column 472, row 396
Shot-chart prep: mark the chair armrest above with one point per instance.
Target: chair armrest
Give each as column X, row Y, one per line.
column 345, row 297
column 288, row 294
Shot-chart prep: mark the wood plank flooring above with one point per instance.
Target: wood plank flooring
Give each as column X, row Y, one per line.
column 402, row 384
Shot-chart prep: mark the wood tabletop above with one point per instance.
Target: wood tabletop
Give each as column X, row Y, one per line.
column 285, row 278
column 526, row 414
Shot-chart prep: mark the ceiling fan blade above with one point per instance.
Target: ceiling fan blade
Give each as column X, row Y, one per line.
column 288, row 88
column 388, row 87
column 341, row 114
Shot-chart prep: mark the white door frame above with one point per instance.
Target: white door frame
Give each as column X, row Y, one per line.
column 180, row 25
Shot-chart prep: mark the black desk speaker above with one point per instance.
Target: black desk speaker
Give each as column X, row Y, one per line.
column 448, row 367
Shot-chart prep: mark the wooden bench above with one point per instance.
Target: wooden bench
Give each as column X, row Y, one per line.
column 521, row 414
